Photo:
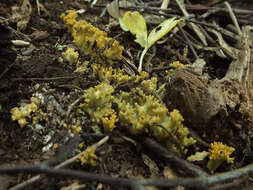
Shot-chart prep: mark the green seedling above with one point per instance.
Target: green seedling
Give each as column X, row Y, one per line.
column 136, row 24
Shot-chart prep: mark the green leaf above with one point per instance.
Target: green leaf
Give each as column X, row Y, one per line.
column 157, row 33
column 162, row 29
column 136, row 24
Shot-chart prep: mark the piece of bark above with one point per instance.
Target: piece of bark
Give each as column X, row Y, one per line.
column 221, row 110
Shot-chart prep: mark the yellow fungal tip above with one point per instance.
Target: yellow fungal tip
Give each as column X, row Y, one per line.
column 218, row 154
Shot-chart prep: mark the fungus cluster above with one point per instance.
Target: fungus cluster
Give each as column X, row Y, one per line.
column 92, row 41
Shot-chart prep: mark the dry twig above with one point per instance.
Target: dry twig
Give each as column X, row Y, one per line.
column 202, row 182
column 61, row 165
column 233, row 17
column 192, row 25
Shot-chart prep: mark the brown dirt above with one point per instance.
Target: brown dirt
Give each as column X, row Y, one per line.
column 41, row 73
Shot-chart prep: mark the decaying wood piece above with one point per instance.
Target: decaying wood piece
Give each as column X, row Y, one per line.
column 219, row 109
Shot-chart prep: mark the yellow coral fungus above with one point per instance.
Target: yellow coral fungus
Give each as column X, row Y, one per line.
column 218, row 154
column 145, row 113
column 150, row 85
column 70, row 55
column 60, row 60
column 109, row 121
column 89, row 156
column 21, row 113
column 70, row 19
column 98, row 103
column 139, row 112
column 142, row 75
column 92, row 41
column 99, row 95
column 76, row 129
column 176, row 64
column 110, row 74
column 116, row 76
column 81, row 67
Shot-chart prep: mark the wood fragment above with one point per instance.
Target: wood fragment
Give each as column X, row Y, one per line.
column 209, row 104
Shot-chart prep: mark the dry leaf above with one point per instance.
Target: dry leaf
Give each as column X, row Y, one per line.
column 113, row 8
column 198, row 156
column 39, row 35
column 22, row 15
column 74, row 186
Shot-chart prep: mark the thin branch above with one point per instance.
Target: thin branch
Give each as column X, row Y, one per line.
column 61, row 165
column 42, row 79
column 172, row 158
column 233, row 17
column 33, row 169
column 202, row 182
column 38, row 6
column 233, row 184
column 189, row 42
column 7, row 69
column 71, row 106
column 157, row 11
